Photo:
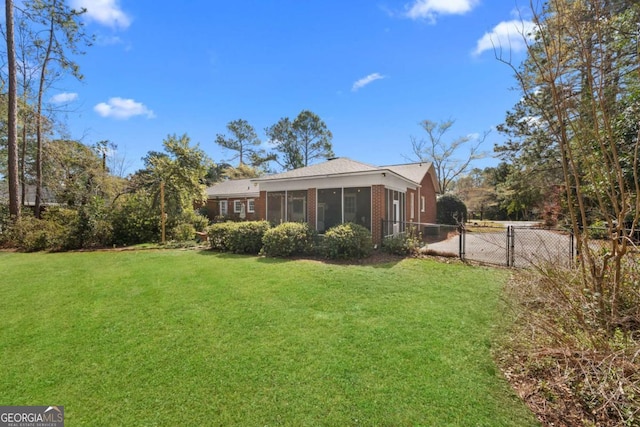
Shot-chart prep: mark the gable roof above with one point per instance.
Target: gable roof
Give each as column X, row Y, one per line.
column 336, row 166
column 340, row 166
column 415, row 172
column 233, row 188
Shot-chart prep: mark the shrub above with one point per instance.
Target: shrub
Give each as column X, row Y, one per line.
column 94, row 227
column 135, row 220
column 50, row 233
column 405, row 244
column 450, row 209
column 247, row 237
column 347, row 241
column 183, row 232
column 198, row 221
column 238, row 237
column 62, row 226
column 5, row 223
column 218, row 235
column 287, row 239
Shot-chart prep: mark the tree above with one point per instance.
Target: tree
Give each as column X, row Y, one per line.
column 58, row 37
column 12, row 117
column 281, row 135
column 300, row 142
column 451, row 210
column 478, row 191
column 74, row 173
column 442, row 154
column 182, row 168
column 244, row 141
column 580, row 79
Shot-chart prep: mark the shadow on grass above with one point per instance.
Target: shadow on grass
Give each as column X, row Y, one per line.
column 376, row 260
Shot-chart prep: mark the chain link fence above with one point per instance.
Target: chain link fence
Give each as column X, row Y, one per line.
column 510, row 246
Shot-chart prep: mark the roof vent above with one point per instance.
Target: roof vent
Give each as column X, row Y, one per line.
column 332, row 158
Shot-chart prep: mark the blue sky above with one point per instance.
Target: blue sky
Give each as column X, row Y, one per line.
column 372, row 70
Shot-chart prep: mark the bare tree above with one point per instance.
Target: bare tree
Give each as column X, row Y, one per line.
column 580, row 76
column 446, row 156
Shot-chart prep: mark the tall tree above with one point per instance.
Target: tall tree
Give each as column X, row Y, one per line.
column 12, row 119
column 59, row 37
column 444, row 155
column 281, row 136
column 244, row 142
column 301, row 141
column 313, row 137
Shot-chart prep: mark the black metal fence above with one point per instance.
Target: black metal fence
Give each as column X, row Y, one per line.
column 510, row 246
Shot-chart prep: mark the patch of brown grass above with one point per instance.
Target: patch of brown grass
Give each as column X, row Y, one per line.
column 569, row 372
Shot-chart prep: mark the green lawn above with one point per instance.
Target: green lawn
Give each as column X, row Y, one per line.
column 196, row 339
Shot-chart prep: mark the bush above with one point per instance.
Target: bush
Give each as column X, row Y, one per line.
column 5, row 223
column 406, row 244
column 62, row 226
column 135, row 220
column 238, row 237
column 247, row 237
column 198, row 221
column 183, row 232
column 218, row 235
column 53, row 232
column 347, row 241
column 93, row 228
column 287, row 239
column 450, row 210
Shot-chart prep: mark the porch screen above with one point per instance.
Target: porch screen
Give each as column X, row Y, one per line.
column 297, row 206
column 395, row 212
column 275, row 207
column 329, row 209
column 357, row 206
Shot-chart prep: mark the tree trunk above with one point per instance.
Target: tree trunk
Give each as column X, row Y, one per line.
column 12, row 119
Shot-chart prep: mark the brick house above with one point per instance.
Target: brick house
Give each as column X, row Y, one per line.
column 381, row 198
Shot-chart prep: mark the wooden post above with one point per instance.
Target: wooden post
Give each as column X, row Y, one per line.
column 162, row 210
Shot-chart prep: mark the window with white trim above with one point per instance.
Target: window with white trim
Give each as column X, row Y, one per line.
column 224, row 208
column 423, row 204
column 251, row 205
column 237, row 206
column 411, row 201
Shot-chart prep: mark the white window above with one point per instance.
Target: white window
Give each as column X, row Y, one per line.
column 411, row 200
column 423, row 204
column 251, row 206
column 224, row 208
column 237, row 206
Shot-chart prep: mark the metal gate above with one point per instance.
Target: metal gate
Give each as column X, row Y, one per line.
column 517, row 246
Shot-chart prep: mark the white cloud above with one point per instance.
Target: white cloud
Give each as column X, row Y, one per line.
column 105, row 12
column 512, row 35
column 63, row 98
column 429, row 9
column 120, row 108
column 366, row 80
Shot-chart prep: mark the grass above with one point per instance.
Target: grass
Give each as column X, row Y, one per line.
column 195, row 338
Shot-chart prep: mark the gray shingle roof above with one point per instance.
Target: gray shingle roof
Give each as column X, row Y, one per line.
column 235, row 187
column 413, row 172
column 337, row 166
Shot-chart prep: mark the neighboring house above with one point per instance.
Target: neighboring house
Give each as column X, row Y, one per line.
column 48, row 198
column 337, row 191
